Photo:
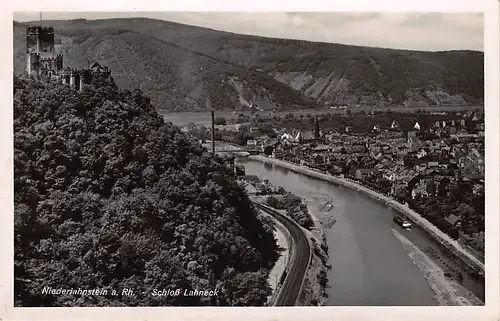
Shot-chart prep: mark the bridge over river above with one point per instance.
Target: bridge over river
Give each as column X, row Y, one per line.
column 223, row 147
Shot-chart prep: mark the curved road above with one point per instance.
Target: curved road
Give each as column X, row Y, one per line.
column 292, row 285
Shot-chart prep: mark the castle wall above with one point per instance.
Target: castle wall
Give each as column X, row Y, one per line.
column 47, row 55
column 47, row 42
column 59, row 62
column 32, row 63
column 29, row 62
column 32, row 42
column 77, row 81
column 66, row 78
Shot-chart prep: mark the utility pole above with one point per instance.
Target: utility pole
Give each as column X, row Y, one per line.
column 213, row 132
column 40, row 18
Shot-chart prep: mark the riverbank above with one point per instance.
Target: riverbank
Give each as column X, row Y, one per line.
column 453, row 246
column 315, row 281
column 447, row 291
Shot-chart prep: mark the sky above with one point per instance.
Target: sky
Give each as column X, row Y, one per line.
column 416, row 30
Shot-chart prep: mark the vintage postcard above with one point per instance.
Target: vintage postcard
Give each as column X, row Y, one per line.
column 251, row 159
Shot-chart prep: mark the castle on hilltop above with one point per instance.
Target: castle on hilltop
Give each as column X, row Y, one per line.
column 45, row 61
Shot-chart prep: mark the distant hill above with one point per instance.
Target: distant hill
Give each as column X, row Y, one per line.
column 185, row 68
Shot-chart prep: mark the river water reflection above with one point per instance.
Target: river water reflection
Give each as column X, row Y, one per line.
column 369, row 264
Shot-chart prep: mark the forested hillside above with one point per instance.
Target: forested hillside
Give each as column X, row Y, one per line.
column 108, row 196
column 232, row 71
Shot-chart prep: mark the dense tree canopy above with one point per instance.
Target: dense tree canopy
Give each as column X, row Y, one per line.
column 109, row 196
column 294, row 207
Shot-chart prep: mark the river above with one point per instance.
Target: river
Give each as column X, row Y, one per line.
column 370, row 266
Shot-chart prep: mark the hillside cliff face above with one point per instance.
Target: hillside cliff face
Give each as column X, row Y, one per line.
column 186, row 68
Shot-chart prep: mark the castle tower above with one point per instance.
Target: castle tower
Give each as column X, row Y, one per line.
column 42, row 59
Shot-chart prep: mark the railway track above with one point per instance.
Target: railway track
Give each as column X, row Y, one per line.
column 295, row 273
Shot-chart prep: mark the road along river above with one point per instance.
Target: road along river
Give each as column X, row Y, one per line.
column 370, row 266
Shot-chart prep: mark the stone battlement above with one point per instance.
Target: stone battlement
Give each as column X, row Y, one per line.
column 73, row 71
column 35, row 30
column 38, row 56
column 68, row 71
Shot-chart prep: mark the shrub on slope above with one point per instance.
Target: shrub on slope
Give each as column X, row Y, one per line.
column 109, row 196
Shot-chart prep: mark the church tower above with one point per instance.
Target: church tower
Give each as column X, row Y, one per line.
column 317, row 133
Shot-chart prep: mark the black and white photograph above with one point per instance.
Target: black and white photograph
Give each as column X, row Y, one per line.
column 249, row 159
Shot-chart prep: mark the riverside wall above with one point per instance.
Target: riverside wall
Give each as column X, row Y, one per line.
column 451, row 245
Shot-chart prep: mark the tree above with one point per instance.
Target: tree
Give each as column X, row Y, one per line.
column 191, row 126
column 273, row 202
column 443, row 188
column 267, row 130
column 220, row 121
column 243, row 135
column 453, row 233
column 248, row 289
